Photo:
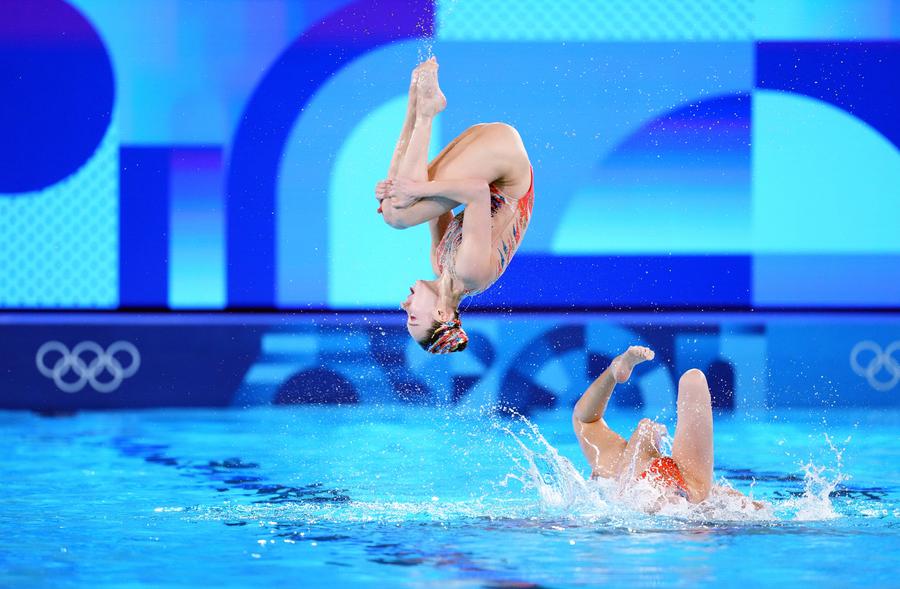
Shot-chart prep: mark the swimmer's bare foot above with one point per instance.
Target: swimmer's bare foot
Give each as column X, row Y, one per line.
column 624, row 363
column 414, row 85
column 429, row 100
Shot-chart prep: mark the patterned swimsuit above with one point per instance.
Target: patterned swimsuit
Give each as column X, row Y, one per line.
column 509, row 220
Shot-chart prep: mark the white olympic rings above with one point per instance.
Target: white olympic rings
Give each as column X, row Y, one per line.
column 882, row 359
column 87, row 372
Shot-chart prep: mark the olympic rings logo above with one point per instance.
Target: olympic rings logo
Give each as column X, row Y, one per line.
column 881, row 360
column 88, row 361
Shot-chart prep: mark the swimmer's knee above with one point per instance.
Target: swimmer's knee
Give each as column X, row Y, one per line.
column 498, row 126
column 503, row 132
column 508, row 129
column 646, row 427
column 692, row 376
column 699, row 492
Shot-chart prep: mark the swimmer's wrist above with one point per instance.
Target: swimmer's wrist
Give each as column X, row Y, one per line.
column 420, row 189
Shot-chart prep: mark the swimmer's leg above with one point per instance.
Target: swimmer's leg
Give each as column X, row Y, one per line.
column 604, row 448
column 599, row 443
column 408, row 123
column 429, row 102
column 692, row 448
column 410, row 159
column 413, row 165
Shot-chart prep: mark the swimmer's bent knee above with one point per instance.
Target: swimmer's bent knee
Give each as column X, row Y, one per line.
column 508, row 134
column 693, row 375
column 649, row 429
column 498, row 126
column 699, row 493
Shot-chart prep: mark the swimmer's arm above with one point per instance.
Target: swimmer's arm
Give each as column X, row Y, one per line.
column 405, row 202
column 422, row 211
column 463, row 192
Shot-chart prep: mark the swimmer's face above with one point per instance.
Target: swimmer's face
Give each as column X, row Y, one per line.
column 420, row 308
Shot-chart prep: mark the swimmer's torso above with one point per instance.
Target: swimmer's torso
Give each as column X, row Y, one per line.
column 509, row 221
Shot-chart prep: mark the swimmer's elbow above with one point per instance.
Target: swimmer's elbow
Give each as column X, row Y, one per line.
column 474, row 278
column 480, row 190
column 394, row 220
column 398, row 224
column 473, row 268
column 469, row 191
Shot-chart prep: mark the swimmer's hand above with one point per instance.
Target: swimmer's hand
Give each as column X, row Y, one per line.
column 381, row 193
column 403, row 192
column 381, row 190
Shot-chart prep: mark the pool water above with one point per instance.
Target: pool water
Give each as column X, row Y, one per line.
column 431, row 497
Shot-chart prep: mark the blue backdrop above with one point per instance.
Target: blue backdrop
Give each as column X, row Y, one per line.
column 207, row 155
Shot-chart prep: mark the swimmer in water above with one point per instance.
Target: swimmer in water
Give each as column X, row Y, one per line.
column 486, row 169
column 688, row 472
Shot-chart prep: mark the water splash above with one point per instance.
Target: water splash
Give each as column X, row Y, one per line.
column 539, row 467
column 561, row 489
column 815, row 503
column 819, row 483
column 425, row 47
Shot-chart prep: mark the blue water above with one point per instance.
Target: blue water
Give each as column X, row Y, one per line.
column 430, row 497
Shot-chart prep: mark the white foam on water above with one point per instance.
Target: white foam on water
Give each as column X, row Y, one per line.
column 561, row 489
column 815, row 503
column 818, row 483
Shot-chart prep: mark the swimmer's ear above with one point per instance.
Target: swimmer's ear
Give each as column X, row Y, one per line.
column 439, row 315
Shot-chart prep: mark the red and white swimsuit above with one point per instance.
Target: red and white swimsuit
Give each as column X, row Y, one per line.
column 509, row 221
